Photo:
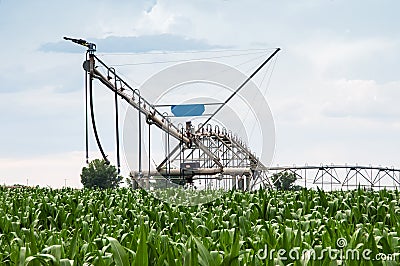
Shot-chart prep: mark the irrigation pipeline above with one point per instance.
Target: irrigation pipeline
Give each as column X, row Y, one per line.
column 144, row 107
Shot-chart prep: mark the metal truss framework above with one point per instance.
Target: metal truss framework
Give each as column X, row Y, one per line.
column 211, row 151
column 330, row 177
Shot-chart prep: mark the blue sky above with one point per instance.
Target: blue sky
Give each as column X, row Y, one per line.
column 333, row 93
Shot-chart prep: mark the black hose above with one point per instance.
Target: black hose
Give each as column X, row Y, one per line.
column 86, row 114
column 117, row 125
column 94, row 122
column 148, row 175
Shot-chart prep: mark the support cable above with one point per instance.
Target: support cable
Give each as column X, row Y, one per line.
column 183, row 60
column 240, row 87
column 183, row 52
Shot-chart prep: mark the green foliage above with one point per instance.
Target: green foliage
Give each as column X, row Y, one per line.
column 130, row 227
column 284, row 180
column 100, row 175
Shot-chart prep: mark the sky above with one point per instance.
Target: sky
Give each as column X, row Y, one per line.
column 333, row 93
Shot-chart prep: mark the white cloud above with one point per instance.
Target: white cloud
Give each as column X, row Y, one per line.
column 157, row 21
column 332, row 52
column 333, row 93
column 344, row 57
column 363, row 98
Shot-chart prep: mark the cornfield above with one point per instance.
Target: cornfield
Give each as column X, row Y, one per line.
column 41, row 226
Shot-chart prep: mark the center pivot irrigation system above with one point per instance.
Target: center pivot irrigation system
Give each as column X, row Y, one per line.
column 207, row 153
column 204, row 153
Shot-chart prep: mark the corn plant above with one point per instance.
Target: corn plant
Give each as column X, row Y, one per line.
column 40, row 226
